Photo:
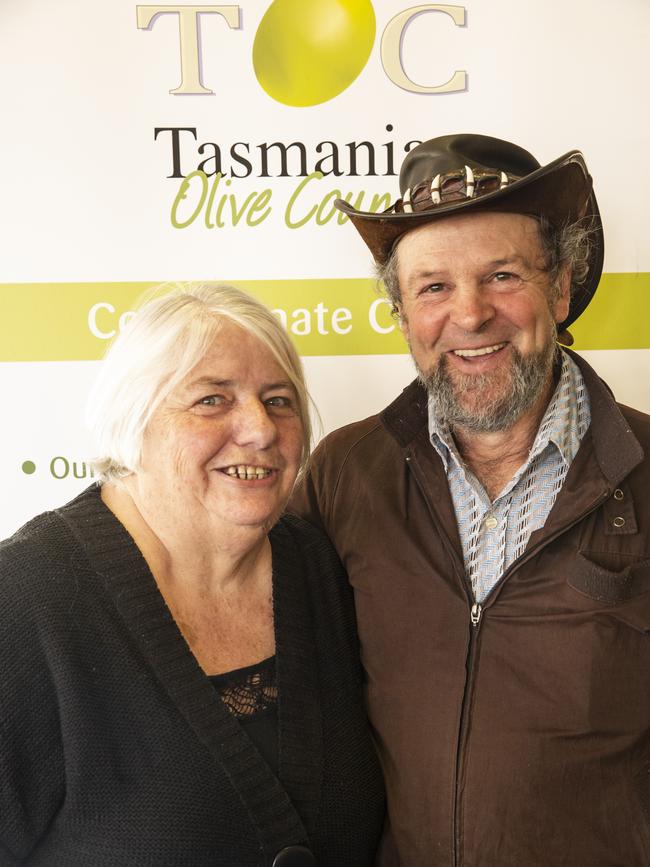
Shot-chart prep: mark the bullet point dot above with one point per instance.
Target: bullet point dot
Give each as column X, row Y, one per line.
column 29, row 467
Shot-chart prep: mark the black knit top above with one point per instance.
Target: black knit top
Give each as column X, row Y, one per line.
column 115, row 748
column 251, row 695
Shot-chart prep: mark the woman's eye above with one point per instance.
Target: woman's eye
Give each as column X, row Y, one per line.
column 210, row 400
column 279, row 402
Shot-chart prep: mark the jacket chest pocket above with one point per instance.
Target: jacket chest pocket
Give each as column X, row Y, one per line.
column 613, row 563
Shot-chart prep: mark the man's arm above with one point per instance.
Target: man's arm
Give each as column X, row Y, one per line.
column 307, row 498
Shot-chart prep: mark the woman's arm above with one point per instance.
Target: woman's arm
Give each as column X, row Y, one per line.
column 32, row 777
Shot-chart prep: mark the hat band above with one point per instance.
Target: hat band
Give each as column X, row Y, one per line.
column 454, row 186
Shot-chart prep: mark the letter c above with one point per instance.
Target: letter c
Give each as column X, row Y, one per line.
column 92, row 320
column 391, row 49
column 372, row 316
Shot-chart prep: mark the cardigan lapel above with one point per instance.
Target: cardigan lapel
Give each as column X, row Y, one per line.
column 129, row 582
column 301, row 736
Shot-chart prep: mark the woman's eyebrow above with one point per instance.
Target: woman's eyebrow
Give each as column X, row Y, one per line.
column 210, row 381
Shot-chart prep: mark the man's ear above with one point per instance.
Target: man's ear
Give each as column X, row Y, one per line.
column 398, row 313
column 562, row 302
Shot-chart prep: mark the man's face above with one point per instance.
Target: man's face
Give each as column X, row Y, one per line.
column 479, row 313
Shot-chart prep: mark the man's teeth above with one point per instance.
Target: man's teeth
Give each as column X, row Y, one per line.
column 248, row 472
column 484, row 350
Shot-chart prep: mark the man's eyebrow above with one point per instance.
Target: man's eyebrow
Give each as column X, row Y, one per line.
column 535, row 261
column 427, row 273
column 515, row 259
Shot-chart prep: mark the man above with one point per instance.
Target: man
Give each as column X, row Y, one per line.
column 494, row 524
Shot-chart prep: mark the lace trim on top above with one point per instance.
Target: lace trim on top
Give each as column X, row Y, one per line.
column 248, row 691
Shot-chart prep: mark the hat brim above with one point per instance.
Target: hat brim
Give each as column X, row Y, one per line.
column 560, row 191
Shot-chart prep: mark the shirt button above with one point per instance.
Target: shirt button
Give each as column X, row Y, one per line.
column 490, row 522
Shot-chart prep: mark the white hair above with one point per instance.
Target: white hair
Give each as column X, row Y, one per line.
column 158, row 348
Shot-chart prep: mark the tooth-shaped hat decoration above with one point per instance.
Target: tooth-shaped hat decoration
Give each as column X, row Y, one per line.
column 453, row 174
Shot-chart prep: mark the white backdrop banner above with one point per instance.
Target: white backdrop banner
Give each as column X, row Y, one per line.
column 158, row 143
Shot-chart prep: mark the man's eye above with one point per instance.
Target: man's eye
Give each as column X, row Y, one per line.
column 503, row 276
column 432, row 288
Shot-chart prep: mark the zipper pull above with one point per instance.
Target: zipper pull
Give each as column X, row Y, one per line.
column 475, row 613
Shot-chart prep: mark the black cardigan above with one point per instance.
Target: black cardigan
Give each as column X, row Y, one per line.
column 115, row 748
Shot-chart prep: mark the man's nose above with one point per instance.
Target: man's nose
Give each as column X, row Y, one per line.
column 252, row 425
column 471, row 307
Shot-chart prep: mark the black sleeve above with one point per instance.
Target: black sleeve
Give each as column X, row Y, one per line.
column 32, row 775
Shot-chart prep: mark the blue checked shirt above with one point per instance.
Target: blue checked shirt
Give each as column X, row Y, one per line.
column 494, row 534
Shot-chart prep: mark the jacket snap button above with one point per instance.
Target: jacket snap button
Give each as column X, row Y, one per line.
column 618, row 494
column 294, row 856
column 619, row 522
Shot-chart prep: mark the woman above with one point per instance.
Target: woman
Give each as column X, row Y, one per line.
column 178, row 664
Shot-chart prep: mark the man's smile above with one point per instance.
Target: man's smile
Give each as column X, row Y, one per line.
column 482, row 350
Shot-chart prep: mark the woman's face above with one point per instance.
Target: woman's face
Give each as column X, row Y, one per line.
column 226, row 444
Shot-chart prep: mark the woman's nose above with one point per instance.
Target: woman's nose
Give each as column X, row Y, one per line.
column 252, row 424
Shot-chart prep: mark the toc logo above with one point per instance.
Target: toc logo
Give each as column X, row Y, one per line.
column 307, row 51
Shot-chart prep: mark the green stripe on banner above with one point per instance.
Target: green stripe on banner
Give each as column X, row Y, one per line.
column 617, row 318
column 75, row 321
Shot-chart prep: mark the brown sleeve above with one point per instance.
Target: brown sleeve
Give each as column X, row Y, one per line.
column 307, row 500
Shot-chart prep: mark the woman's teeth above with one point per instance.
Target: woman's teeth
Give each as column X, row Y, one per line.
column 484, row 350
column 248, row 472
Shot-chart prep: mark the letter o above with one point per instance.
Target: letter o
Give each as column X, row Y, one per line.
column 125, row 318
column 66, row 465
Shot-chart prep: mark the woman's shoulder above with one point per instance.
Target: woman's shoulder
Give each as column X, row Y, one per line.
column 311, row 540
column 43, row 548
column 304, row 554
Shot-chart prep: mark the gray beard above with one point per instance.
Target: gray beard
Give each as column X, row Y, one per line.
column 462, row 401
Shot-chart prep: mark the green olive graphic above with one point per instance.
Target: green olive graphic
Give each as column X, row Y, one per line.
column 309, row 51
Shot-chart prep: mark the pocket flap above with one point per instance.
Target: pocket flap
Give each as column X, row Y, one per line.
column 605, row 585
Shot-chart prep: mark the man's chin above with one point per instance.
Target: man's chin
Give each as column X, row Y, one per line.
column 488, row 402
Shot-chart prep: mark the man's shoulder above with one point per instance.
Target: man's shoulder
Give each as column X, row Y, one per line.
column 639, row 425
column 639, row 422
column 350, row 435
column 389, row 429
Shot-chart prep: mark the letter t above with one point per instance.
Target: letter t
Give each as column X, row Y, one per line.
column 188, row 17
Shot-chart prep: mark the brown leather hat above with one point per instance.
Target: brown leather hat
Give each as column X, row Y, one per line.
column 452, row 174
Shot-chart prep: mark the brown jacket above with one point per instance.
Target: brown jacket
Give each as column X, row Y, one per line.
column 520, row 740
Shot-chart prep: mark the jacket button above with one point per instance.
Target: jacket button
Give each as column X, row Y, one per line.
column 619, row 522
column 618, row 494
column 294, row 856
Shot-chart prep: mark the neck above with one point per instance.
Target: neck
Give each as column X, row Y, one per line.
column 495, row 456
column 182, row 554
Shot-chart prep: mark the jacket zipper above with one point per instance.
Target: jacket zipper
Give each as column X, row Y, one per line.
column 475, row 624
column 476, row 612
